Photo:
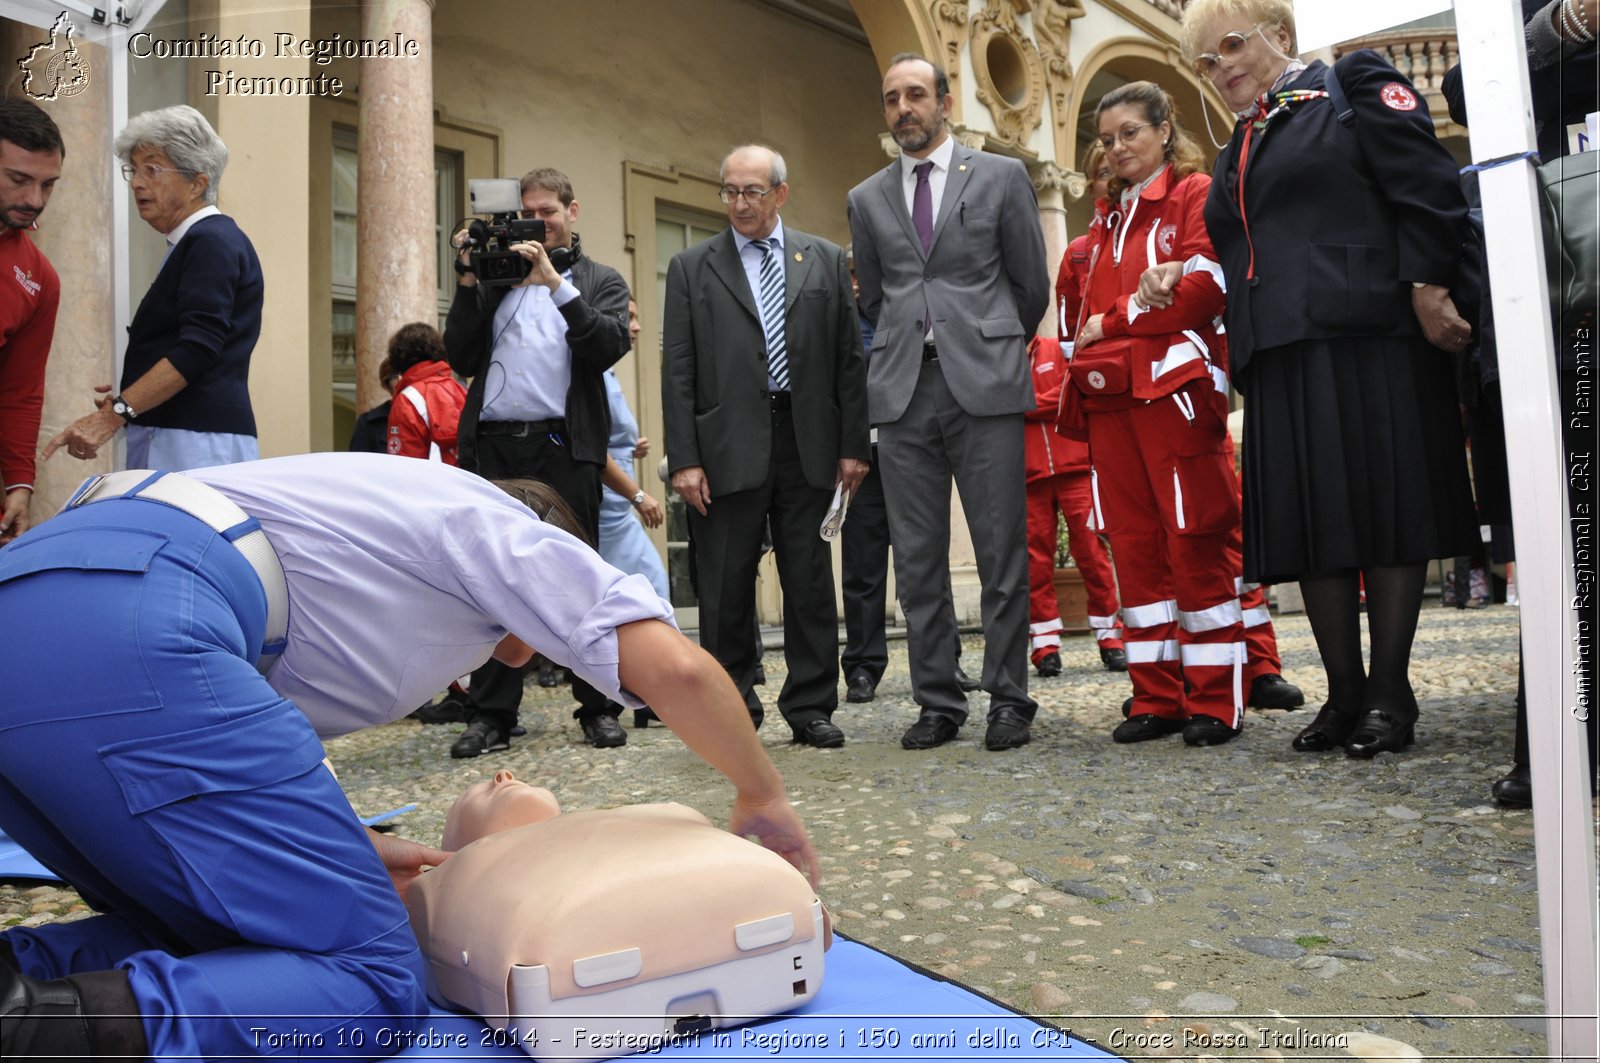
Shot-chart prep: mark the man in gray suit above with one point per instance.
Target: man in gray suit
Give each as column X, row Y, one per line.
column 950, row 259
column 763, row 392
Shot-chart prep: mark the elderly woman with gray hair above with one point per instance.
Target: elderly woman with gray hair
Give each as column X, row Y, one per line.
column 184, row 397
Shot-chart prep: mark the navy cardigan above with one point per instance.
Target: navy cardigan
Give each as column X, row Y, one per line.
column 203, row 313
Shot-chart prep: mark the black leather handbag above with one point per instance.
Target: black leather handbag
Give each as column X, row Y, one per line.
column 1569, row 189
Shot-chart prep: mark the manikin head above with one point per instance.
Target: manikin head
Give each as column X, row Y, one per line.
column 495, row 805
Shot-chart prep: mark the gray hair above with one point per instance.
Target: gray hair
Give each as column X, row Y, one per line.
column 183, row 135
column 780, row 169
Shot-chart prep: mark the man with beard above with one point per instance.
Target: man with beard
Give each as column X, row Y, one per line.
column 951, row 264
column 31, row 153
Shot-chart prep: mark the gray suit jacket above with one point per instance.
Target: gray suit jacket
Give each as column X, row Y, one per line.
column 714, row 364
column 984, row 279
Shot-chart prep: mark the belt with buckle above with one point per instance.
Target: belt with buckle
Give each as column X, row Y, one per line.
column 779, row 400
column 930, row 352
column 215, row 510
column 522, row 428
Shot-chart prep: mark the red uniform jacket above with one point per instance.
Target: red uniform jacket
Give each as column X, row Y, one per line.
column 1049, row 452
column 426, row 412
column 1069, row 281
column 1165, row 348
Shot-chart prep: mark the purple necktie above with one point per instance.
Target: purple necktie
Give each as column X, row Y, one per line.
column 922, row 205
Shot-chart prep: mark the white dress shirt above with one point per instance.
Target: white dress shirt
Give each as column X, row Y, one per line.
column 403, row 575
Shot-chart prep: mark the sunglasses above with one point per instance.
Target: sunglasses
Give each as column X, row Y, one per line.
column 1205, row 64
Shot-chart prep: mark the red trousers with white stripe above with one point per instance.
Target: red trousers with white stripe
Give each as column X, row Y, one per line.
column 1068, row 492
column 1168, row 499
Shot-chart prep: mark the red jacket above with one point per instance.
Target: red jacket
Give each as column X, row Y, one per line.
column 426, row 413
column 1049, row 452
column 29, row 296
column 1069, row 282
column 1165, row 348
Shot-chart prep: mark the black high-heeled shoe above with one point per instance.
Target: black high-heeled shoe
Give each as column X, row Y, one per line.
column 1329, row 730
column 1377, row 733
column 642, row 718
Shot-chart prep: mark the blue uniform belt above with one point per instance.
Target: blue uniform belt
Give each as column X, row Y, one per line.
column 221, row 515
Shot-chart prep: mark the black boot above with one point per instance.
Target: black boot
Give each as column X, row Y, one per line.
column 41, row 1018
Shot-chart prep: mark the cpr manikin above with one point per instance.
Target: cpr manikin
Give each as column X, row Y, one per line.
column 702, row 929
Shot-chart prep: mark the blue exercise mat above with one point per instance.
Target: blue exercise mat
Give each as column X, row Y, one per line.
column 871, row 1005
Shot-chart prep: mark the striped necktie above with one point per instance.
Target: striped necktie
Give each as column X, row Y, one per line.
column 770, row 299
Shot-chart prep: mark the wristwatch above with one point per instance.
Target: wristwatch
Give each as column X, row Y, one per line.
column 638, row 499
column 120, row 407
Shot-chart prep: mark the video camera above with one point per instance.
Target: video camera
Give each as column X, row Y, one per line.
column 492, row 258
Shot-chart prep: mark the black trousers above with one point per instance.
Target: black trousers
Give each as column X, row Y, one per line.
column 496, row 690
column 864, row 557
column 728, row 548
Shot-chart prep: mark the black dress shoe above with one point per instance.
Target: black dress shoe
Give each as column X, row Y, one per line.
column 1127, row 708
column 548, row 677
column 1328, row 731
column 642, row 718
column 820, row 733
column 1272, row 691
column 1114, row 659
column 1378, row 732
column 862, row 688
column 929, row 731
column 1049, row 665
column 1144, row 727
column 603, row 731
column 1208, row 731
column 1516, row 789
column 1007, row 730
column 965, row 681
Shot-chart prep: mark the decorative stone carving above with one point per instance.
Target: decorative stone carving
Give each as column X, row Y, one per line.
column 1009, row 72
column 1049, row 177
column 950, row 21
column 1052, row 28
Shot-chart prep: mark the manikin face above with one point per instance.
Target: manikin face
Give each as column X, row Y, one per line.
column 495, row 805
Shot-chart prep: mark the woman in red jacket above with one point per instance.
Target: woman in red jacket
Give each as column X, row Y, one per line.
column 1148, row 387
column 427, row 399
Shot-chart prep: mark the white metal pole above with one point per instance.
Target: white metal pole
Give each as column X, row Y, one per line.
column 1494, row 66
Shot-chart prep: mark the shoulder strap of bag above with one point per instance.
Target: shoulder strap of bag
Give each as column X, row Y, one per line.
column 1341, row 103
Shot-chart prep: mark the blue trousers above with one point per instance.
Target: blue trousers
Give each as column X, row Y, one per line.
column 145, row 761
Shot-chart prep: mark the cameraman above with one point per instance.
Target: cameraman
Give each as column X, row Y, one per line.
column 537, row 354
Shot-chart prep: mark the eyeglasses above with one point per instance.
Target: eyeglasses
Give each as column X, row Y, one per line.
column 751, row 195
column 1205, row 64
column 150, row 171
column 1126, row 134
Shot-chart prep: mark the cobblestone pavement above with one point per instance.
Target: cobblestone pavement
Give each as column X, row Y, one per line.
column 1242, row 901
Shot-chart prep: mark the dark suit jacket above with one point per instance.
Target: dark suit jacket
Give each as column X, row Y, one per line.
column 984, row 278
column 714, row 364
column 202, row 313
column 597, row 334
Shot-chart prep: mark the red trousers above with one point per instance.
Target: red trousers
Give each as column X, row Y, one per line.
column 1069, row 493
column 1167, row 497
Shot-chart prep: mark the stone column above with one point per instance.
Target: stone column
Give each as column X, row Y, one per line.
column 395, row 259
column 1054, row 185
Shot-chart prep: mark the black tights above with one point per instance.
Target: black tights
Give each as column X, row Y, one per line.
column 1394, row 599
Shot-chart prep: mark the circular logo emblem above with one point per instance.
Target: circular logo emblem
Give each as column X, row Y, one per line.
column 1397, row 97
column 1097, row 380
column 1166, row 237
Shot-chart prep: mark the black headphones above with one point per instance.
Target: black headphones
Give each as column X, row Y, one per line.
column 564, row 258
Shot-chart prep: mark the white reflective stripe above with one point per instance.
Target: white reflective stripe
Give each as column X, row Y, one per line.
column 1202, row 264
column 1185, row 405
column 418, row 403
column 1046, row 642
column 1178, row 355
column 1106, row 634
column 1257, row 616
column 1213, row 654
column 1150, row 244
column 1135, row 308
column 1194, row 337
column 1151, row 652
column 1219, row 379
column 1218, row 616
column 1106, row 622
column 1246, row 588
column 1177, row 499
column 1061, row 316
column 1045, row 627
column 1150, row 614
column 1096, row 519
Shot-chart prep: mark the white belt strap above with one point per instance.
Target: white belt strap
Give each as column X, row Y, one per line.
column 219, row 514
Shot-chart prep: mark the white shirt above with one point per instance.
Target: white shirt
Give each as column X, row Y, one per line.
column 403, row 575
column 180, row 230
column 936, row 177
column 530, row 368
column 750, row 258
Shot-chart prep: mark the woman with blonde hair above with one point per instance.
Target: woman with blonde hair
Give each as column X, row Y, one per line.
column 1339, row 222
column 1147, row 387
